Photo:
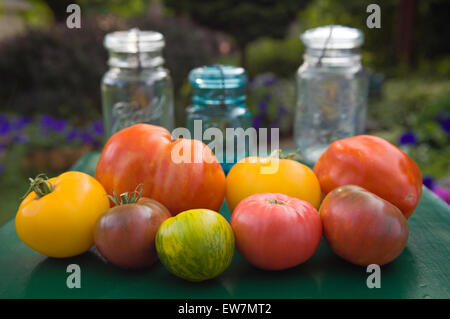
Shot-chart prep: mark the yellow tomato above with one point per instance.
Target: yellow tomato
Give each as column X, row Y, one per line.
column 254, row 175
column 57, row 217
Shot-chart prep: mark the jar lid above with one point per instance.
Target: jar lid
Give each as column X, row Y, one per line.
column 133, row 41
column 218, row 77
column 333, row 37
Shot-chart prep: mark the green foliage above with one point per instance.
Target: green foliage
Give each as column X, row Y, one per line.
column 408, row 102
column 281, row 57
column 38, row 14
column 58, row 71
column 121, row 8
column 245, row 20
column 416, row 106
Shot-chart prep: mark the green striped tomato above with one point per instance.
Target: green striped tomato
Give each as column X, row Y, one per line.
column 196, row 245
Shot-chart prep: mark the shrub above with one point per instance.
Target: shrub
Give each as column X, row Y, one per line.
column 281, row 57
column 54, row 71
column 58, row 71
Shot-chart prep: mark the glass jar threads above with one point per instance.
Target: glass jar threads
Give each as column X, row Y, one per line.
column 332, row 88
column 136, row 88
column 219, row 101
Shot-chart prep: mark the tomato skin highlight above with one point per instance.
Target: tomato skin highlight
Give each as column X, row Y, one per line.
column 276, row 231
column 290, row 178
column 142, row 154
column 374, row 164
column 363, row 228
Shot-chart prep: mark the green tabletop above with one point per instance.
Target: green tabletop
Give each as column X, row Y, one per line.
column 421, row 271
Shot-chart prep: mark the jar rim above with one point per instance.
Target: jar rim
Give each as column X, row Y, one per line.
column 134, row 41
column 332, row 37
column 218, row 77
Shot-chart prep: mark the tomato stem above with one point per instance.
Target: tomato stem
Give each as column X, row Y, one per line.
column 40, row 185
column 280, row 154
column 127, row 198
column 276, row 201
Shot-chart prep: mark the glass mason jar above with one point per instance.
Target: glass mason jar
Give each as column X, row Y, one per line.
column 219, row 101
column 136, row 88
column 332, row 88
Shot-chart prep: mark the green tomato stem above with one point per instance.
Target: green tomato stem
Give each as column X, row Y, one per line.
column 40, row 185
column 127, row 198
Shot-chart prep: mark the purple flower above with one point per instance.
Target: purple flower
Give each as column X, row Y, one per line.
column 3, row 148
column 262, row 106
column 87, row 138
column 21, row 122
column 97, row 127
column 429, row 182
column 443, row 193
column 445, row 124
column 47, row 121
column 73, row 135
column 59, row 125
column 408, row 138
column 269, row 80
column 5, row 125
column 257, row 121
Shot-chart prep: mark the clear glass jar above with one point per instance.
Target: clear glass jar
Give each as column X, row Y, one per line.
column 332, row 88
column 136, row 88
column 219, row 101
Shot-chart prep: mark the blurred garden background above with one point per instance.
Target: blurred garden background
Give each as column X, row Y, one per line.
column 50, row 108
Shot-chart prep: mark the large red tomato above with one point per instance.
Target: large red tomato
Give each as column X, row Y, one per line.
column 275, row 231
column 374, row 164
column 181, row 174
column 362, row 227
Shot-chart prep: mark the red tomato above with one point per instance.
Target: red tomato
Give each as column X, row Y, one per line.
column 361, row 227
column 275, row 231
column 142, row 154
column 374, row 164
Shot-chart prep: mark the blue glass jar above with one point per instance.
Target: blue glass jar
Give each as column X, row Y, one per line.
column 219, row 101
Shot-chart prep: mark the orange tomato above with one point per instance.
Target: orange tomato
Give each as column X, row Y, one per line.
column 253, row 175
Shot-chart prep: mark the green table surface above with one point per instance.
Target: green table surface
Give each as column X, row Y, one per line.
column 421, row 271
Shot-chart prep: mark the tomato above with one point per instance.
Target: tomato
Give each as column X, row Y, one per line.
column 276, row 231
column 145, row 154
column 125, row 234
column 361, row 227
column 57, row 217
column 374, row 164
column 196, row 245
column 254, row 175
